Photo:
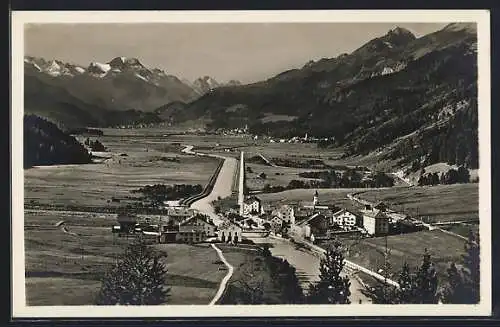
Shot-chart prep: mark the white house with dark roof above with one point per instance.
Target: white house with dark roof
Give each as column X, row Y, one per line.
column 252, row 205
column 344, row 217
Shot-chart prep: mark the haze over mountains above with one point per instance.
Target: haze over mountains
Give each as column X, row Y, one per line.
column 414, row 100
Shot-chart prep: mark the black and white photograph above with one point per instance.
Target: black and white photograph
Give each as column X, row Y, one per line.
column 331, row 163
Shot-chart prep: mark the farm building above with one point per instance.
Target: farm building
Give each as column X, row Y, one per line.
column 194, row 229
column 252, row 205
column 375, row 222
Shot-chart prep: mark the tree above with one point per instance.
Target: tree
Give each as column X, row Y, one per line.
column 406, row 292
column 137, row 279
column 426, row 282
column 332, row 288
column 462, row 285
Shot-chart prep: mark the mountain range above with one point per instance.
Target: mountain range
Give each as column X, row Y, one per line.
column 120, row 91
column 411, row 101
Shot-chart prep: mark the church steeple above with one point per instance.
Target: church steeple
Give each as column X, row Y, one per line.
column 315, row 199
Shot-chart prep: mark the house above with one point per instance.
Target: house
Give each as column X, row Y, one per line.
column 318, row 224
column 229, row 232
column 194, row 229
column 252, row 205
column 375, row 222
column 344, row 218
column 286, row 213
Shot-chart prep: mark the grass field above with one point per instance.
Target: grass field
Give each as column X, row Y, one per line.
column 444, row 249
column 62, row 269
column 193, row 275
column 95, row 184
column 275, row 176
column 439, row 203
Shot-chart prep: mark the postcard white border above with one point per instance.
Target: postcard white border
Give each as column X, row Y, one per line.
column 20, row 310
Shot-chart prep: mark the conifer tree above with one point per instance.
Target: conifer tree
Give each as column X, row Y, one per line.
column 332, row 288
column 426, row 282
column 462, row 285
column 406, row 280
column 137, row 279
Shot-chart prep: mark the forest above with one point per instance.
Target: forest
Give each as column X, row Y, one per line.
column 46, row 144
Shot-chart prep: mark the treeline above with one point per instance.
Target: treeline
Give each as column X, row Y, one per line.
column 452, row 176
column 46, row 144
column 85, row 130
column 311, row 163
column 350, row 178
column 332, row 179
column 160, row 192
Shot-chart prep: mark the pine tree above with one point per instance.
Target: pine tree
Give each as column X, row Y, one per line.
column 332, row 288
column 462, row 285
column 137, row 279
column 406, row 280
column 472, row 263
column 426, row 282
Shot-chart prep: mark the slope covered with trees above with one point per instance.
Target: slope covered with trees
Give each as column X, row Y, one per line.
column 416, row 95
column 46, row 144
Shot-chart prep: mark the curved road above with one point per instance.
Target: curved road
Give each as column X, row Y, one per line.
column 226, row 278
column 307, row 266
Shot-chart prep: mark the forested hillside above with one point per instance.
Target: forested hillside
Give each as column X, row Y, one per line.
column 413, row 99
column 46, row 144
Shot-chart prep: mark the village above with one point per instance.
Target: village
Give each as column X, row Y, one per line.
column 249, row 218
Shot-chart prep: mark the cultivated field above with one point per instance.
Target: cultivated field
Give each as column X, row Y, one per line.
column 95, row 184
column 438, row 203
column 64, row 269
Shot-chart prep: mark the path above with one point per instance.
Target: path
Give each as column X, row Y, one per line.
column 223, row 283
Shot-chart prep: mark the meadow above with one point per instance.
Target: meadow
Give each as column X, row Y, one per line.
column 134, row 161
column 438, row 203
column 64, row 269
column 444, row 249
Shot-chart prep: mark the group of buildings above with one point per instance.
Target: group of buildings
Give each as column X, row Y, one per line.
column 316, row 221
column 180, row 225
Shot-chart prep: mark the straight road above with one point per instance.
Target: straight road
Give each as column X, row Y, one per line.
column 222, row 187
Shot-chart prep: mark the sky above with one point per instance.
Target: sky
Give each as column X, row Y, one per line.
column 247, row 52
